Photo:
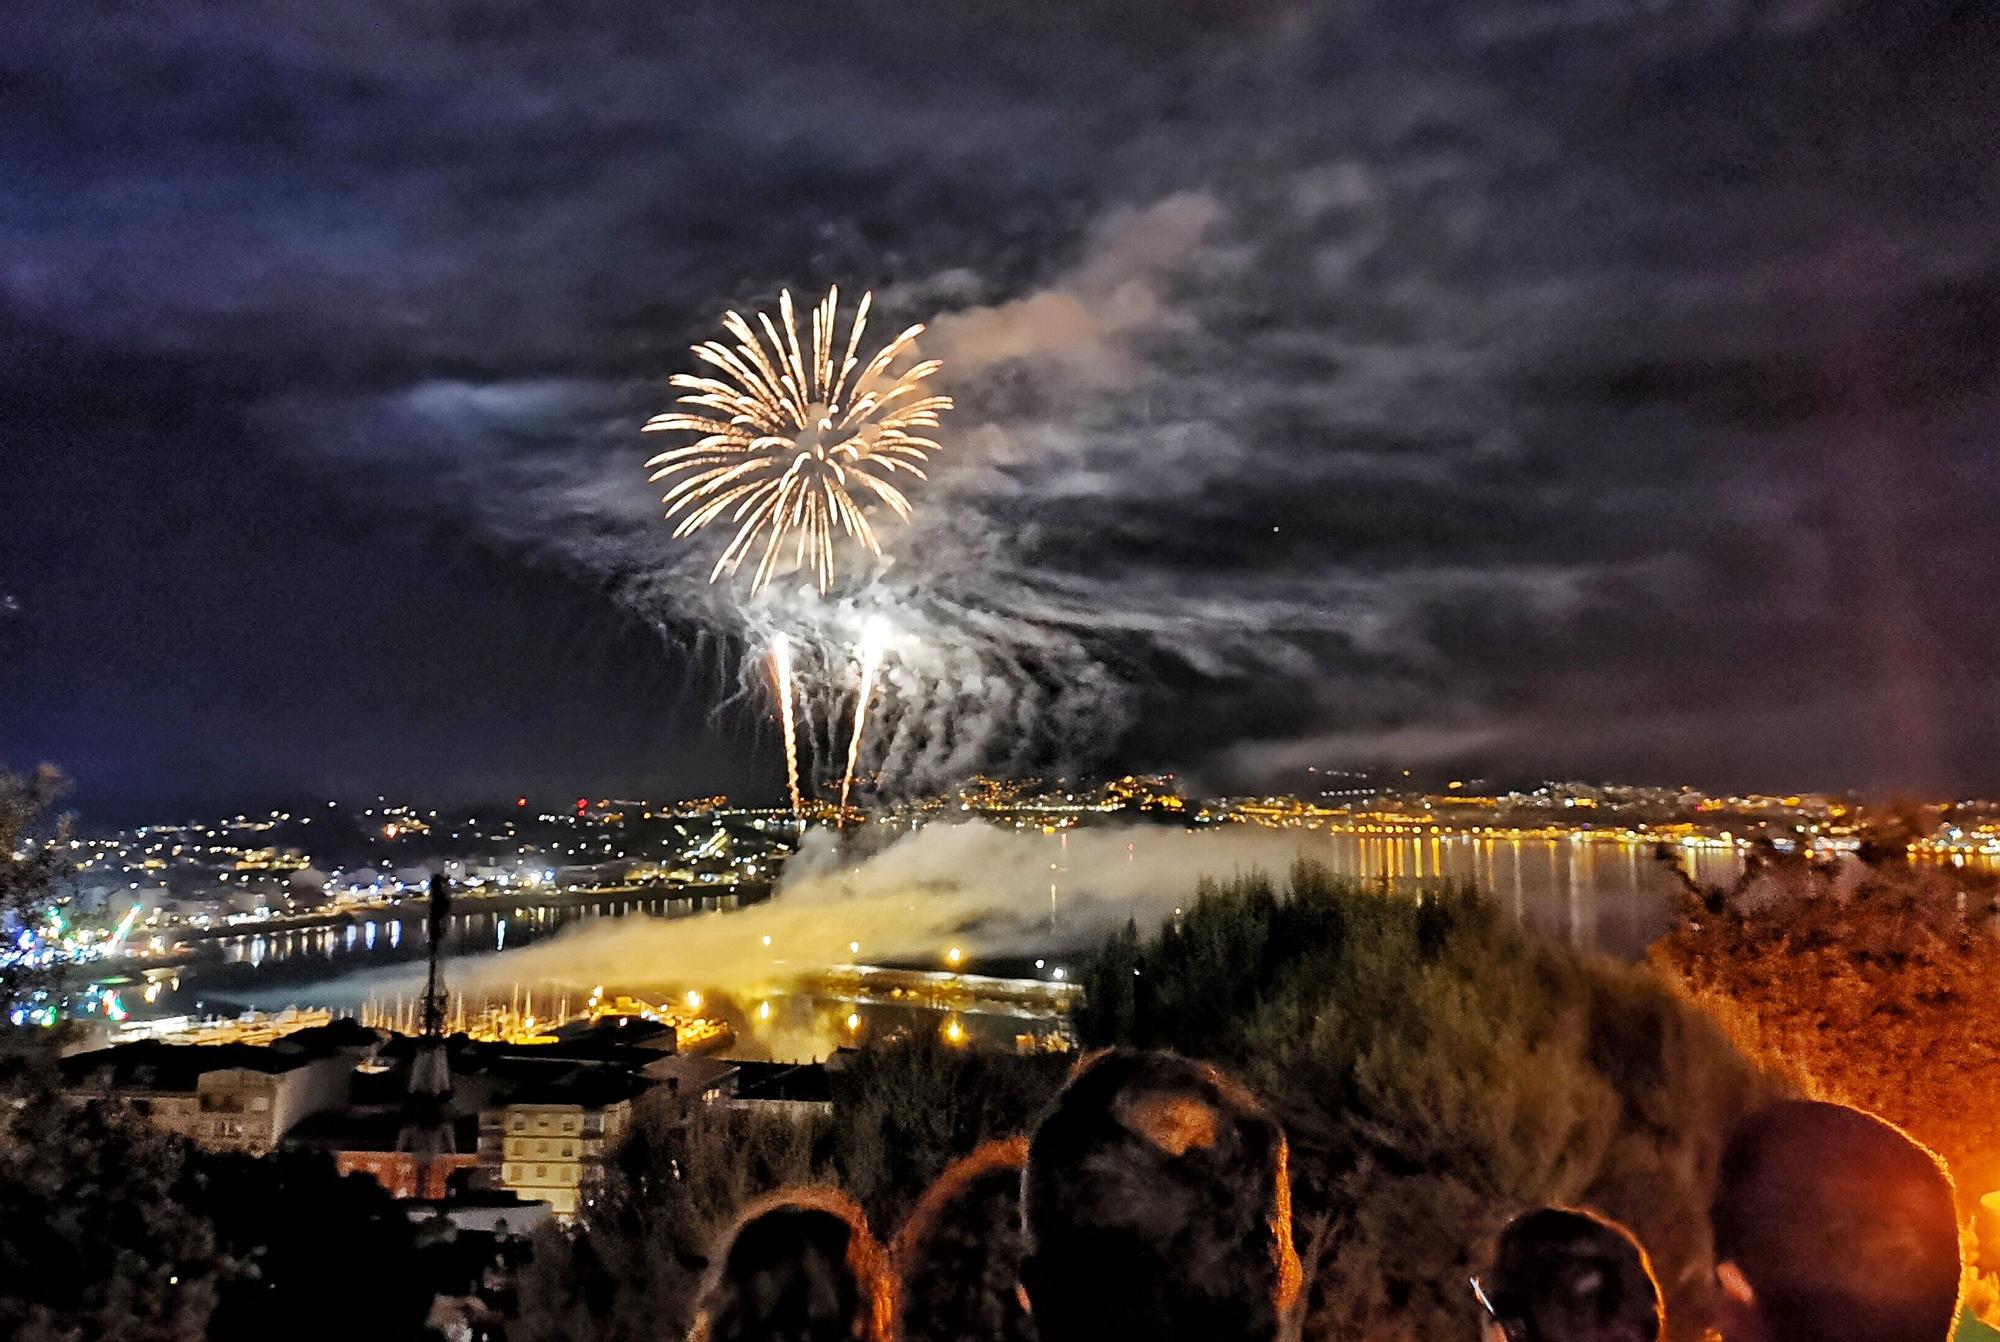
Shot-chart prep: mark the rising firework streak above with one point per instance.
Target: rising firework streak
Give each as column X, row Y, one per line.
column 794, row 440
column 781, row 668
column 871, row 657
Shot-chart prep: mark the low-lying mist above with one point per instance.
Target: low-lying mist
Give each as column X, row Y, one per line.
column 985, row 890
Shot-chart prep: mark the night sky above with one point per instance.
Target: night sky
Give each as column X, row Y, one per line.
column 1600, row 388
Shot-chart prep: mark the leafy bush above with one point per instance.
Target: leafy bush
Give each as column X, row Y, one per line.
column 630, row 1270
column 1876, row 985
column 1439, row 1070
column 111, row 1229
column 903, row 1112
column 1873, row 983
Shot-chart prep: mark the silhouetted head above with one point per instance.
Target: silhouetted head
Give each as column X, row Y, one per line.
column 1156, row 1207
column 1832, row 1226
column 1569, row 1276
column 800, row 1267
column 958, row 1258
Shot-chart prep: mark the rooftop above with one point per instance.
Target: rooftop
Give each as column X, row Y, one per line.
column 800, row 1083
column 151, row 1065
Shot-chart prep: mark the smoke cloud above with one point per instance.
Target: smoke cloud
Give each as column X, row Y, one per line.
column 1082, row 326
column 975, row 886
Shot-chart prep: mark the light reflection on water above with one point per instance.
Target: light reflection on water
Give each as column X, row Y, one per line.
column 302, row 952
column 1616, row 897
column 1613, row 896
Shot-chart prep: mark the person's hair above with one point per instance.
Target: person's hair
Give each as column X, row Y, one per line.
column 1572, row 1276
column 1156, row 1206
column 958, row 1257
column 1843, row 1226
column 800, row 1266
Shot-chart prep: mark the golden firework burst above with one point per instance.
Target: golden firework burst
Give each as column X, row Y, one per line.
column 794, row 438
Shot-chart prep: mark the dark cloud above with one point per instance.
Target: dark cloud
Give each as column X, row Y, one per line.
column 1558, row 386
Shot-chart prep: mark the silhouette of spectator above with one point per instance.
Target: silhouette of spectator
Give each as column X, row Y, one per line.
column 1157, row 1207
column 1832, row 1226
column 958, row 1257
column 1570, row 1276
column 799, row 1267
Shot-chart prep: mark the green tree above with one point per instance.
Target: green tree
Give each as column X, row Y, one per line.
column 34, row 859
column 906, row 1109
column 289, row 1224
column 1875, row 984
column 98, row 1239
column 1872, row 983
column 111, row 1229
column 630, row 1269
column 1111, row 980
column 1440, row 1070
column 903, row 1110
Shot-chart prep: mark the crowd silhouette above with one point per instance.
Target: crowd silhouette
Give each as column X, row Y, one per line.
column 1151, row 1204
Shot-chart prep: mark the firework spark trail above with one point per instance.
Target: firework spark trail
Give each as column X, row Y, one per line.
column 781, row 667
column 871, row 656
column 791, row 446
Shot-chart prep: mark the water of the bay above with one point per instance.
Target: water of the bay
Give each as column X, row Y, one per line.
column 1611, row 896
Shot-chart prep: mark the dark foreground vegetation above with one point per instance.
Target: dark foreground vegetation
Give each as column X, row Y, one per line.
column 1874, row 983
column 112, row 1230
column 1437, row 1069
column 630, row 1271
